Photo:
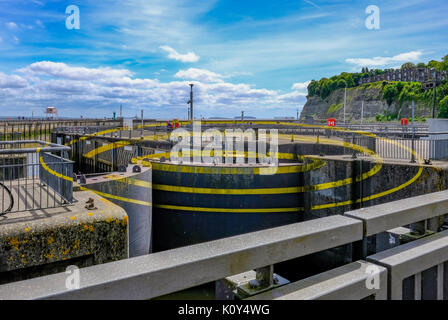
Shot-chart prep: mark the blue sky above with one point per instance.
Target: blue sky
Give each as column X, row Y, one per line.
column 247, row 55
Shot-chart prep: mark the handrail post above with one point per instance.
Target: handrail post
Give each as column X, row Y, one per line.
column 264, row 277
column 353, row 143
column 413, row 146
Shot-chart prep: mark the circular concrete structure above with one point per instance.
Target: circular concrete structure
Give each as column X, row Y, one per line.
column 193, row 203
column 131, row 191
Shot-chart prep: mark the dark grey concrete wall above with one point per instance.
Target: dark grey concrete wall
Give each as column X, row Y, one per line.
column 391, row 175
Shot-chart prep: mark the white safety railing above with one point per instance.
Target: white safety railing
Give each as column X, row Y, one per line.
column 413, row 259
column 154, row 275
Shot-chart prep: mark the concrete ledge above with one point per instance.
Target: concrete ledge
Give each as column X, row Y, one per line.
column 348, row 282
column 35, row 239
column 401, row 212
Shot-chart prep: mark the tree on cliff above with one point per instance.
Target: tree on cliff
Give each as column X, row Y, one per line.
column 390, row 93
column 408, row 65
column 313, row 88
column 445, row 62
column 435, row 64
column 443, row 108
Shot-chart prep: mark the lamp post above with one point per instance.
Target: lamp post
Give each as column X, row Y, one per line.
column 141, row 132
column 434, row 101
column 362, row 111
column 191, row 101
column 345, row 101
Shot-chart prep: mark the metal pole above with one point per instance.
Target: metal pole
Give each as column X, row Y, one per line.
column 345, row 101
column 141, row 132
column 434, row 103
column 191, row 102
column 362, row 111
column 413, row 145
column 242, row 115
column 413, row 111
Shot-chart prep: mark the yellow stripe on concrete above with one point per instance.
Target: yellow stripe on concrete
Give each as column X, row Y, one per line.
column 44, row 165
column 107, row 147
column 236, row 170
column 201, row 209
column 111, row 196
column 227, row 191
column 384, row 193
column 129, row 180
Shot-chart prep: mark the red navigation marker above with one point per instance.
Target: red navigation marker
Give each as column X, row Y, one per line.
column 332, row 122
column 404, row 122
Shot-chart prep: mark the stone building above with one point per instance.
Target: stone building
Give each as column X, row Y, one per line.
column 413, row 75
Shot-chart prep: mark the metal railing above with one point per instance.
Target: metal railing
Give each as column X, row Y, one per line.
column 34, row 175
column 158, row 274
column 417, row 269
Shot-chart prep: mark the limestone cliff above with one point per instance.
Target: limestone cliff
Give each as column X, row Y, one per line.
column 371, row 94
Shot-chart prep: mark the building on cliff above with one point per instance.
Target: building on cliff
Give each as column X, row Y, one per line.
column 413, row 74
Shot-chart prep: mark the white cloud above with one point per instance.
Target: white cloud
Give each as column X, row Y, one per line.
column 173, row 54
column 12, row 81
column 412, row 56
column 202, row 75
column 293, row 97
column 312, row 3
column 301, row 86
column 76, row 90
column 11, row 25
column 62, row 70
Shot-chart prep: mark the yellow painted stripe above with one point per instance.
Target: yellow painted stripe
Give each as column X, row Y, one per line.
column 107, row 147
column 129, row 180
column 407, row 183
column 374, row 170
column 227, row 191
column 111, row 196
column 322, row 186
column 93, row 135
column 223, row 153
column 140, row 202
column 201, row 209
column 317, row 163
column 384, row 193
column 44, row 165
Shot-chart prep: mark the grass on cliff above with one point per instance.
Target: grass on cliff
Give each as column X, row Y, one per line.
column 334, row 107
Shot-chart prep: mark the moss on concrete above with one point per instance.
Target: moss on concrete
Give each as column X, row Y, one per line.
column 41, row 237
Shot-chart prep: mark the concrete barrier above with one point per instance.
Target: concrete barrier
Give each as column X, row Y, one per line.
column 39, row 242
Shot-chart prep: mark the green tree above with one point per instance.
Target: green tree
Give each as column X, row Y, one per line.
column 408, row 65
column 435, row 64
column 443, row 108
column 313, row 88
column 400, row 86
column 342, row 83
column 390, row 93
column 410, row 92
column 421, row 65
column 445, row 62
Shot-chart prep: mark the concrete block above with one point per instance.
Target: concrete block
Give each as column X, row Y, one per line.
column 39, row 242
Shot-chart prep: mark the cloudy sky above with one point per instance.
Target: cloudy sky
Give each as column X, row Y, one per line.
column 256, row 56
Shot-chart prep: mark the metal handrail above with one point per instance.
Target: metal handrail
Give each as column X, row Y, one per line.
column 153, row 275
